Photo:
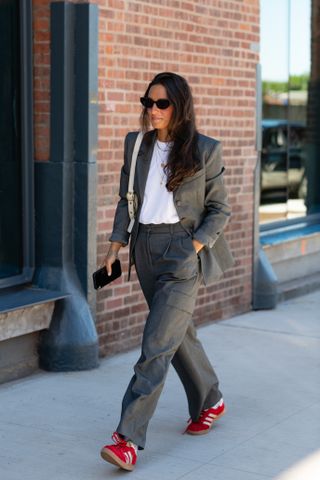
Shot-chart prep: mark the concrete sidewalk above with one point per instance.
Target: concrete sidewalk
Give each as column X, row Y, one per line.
column 53, row 425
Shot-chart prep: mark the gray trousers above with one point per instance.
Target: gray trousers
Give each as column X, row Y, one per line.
column 168, row 270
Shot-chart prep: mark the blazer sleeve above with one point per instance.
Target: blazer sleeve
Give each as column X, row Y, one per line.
column 121, row 218
column 216, row 206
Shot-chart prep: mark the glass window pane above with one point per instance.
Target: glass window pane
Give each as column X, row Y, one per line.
column 299, row 73
column 275, row 72
column 285, row 59
column 11, row 255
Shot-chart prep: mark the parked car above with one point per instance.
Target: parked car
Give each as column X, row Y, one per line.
column 283, row 173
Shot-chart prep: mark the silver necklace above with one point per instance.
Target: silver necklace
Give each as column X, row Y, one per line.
column 167, row 147
column 160, row 167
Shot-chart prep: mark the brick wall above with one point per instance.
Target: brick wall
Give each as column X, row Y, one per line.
column 212, row 43
column 41, row 78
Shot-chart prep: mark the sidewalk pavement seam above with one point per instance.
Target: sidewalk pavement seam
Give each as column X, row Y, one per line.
column 203, row 464
column 255, row 329
column 209, row 463
column 36, row 428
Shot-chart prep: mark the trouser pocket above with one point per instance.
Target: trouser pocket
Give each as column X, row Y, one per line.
column 180, row 257
column 181, row 301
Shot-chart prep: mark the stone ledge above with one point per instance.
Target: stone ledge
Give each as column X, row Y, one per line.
column 25, row 320
column 18, row 357
column 294, row 258
column 293, row 248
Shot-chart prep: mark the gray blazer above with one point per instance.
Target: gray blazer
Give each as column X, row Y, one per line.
column 201, row 203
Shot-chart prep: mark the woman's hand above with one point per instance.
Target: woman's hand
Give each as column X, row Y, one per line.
column 197, row 245
column 111, row 256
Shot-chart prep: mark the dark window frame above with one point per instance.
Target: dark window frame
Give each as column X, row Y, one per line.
column 27, row 162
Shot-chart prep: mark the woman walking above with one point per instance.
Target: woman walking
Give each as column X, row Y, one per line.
column 176, row 243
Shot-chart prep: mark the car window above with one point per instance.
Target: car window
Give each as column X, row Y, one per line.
column 275, row 138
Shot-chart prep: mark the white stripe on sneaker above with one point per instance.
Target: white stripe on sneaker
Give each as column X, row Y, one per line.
column 116, row 438
column 207, row 423
column 218, row 404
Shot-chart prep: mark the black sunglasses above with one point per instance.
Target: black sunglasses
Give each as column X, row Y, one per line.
column 162, row 103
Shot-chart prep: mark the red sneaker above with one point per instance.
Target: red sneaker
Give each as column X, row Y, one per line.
column 123, row 453
column 206, row 419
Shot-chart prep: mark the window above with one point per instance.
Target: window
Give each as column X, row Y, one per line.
column 289, row 172
column 16, row 162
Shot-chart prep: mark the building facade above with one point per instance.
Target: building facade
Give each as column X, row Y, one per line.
column 71, row 81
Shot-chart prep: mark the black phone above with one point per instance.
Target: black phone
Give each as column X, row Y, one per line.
column 101, row 277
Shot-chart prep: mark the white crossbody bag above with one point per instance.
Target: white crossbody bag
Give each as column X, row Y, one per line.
column 131, row 195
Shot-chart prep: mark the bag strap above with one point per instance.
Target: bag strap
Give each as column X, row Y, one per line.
column 130, row 193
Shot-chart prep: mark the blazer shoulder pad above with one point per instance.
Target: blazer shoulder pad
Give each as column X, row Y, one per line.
column 206, row 143
column 147, row 137
column 131, row 136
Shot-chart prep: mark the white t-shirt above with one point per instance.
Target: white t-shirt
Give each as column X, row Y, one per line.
column 158, row 206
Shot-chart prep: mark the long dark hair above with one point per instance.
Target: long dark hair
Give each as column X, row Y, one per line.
column 184, row 158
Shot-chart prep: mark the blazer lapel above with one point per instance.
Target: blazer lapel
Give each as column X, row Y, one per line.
column 143, row 163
